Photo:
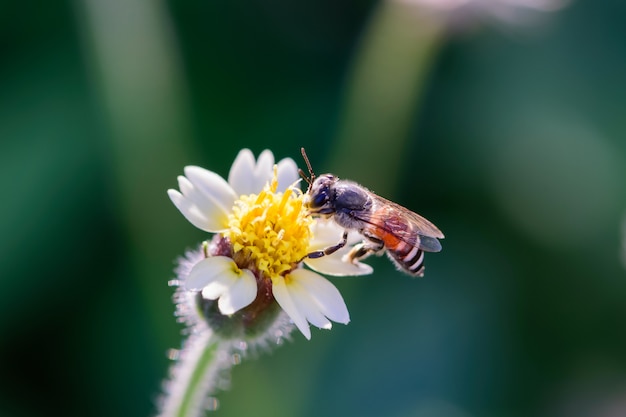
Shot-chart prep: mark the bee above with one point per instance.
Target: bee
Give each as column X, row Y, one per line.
column 385, row 226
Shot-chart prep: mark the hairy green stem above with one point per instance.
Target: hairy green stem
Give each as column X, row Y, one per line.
column 194, row 377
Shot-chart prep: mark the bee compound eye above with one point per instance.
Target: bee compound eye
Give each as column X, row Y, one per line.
column 320, row 198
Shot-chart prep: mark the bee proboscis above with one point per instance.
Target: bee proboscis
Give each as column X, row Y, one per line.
column 385, row 226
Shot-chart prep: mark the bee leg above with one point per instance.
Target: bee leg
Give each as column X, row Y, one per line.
column 365, row 249
column 329, row 250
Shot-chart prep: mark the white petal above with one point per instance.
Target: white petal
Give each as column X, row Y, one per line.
column 283, row 298
column 249, row 177
column 287, row 173
column 325, row 294
column 208, row 271
column 241, row 175
column 185, row 186
column 328, row 233
column 325, row 233
column 212, row 186
column 220, row 285
column 306, row 304
column 263, row 171
column 240, row 294
column 334, row 265
column 265, row 165
column 199, row 209
column 196, row 216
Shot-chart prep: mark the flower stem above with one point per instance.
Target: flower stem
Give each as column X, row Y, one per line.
column 195, row 376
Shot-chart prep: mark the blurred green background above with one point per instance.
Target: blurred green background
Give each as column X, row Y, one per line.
column 515, row 148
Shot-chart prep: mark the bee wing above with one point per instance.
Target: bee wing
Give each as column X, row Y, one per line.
column 423, row 233
column 429, row 244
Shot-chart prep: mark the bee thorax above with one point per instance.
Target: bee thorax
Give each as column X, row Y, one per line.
column 347, row 220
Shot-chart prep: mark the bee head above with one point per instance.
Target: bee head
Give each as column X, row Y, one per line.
column 321, row 195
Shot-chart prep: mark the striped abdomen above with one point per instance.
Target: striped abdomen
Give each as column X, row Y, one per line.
column 408, row 258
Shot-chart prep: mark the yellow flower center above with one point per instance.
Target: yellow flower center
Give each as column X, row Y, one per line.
column 270, row 231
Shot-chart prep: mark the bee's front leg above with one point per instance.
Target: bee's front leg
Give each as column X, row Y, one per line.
column 329, row 250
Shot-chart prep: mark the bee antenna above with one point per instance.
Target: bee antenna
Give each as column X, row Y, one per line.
column 311, row 176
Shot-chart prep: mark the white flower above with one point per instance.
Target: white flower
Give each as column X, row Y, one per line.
column 263, row 235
